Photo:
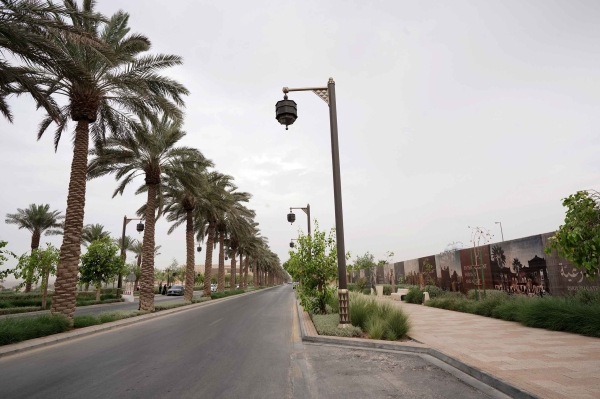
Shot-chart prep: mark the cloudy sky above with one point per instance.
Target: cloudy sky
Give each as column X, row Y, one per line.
column 451, row 113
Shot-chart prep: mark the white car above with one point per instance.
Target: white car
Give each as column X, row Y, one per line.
column 213, row 288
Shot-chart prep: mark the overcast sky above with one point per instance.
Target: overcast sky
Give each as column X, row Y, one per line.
column 451, row 113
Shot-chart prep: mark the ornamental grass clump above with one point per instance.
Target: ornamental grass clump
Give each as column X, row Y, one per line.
column 327, row 324
column 380, row 320
column 415, row 295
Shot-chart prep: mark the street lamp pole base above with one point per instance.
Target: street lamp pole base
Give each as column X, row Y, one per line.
column 344, row 307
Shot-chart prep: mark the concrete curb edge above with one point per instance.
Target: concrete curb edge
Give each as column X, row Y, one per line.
column 36, row 343
column 479, row 375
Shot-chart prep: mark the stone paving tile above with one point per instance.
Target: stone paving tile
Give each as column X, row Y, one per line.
column 549, row 364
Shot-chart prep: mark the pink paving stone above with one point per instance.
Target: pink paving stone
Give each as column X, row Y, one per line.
column 545, row 363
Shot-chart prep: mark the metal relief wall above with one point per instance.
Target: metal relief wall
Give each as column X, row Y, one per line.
column 517, row 266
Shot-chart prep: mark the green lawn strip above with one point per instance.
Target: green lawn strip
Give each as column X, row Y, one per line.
column 576, row 314
column 327, row 324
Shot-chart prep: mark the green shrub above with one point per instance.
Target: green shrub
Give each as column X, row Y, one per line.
column 366, row 291
column 217, row 295
column 434, row 291
column 14, row 329
column 22, row 309
column 572, row 314
column 327, row 324
column 361, row 283
column 587, row 297
column 415, row 295
column 199, row 300
column 387, row 289
column 85, row 320
column 169, row 305
column 487, row 294
column 353, row 287
column 334, row 304
column 375, row 327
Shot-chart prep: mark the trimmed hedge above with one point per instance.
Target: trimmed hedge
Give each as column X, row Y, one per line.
column 217, row 295
column 23, row 309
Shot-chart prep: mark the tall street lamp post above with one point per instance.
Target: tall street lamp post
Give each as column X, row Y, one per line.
column 291, row 217
column 139, row 228
column 286, row 113
column 501, row 232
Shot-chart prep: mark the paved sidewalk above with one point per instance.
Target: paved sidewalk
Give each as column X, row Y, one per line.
column 549, row 364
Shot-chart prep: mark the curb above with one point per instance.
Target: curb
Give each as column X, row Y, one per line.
column 479, row 375
column 36, row 343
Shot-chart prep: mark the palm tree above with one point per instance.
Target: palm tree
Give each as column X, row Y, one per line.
column 102, row 92
column 181, row 192
column 93, row 232
column 210, row 205
column 37, row 219
column 240, row 226
column 150, row 150
column 228, row 221
column 126, row 245
column 28, row 32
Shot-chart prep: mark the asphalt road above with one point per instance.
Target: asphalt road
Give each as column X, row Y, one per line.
column 243, row 347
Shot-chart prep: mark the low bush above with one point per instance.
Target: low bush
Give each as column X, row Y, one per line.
column 353, row 287
column 217, row 295
column 169, row 305
column 375, row 327
column 387, row 289
column 366, row 291
column 487, row 294
column 200, row 299
column 327, row 324
column 434, row 291
column 107, row 317
column 572, row 314
column 94, row 302
column 415, row 295
column 397, row 325
column 14, row 329
column 22, row 309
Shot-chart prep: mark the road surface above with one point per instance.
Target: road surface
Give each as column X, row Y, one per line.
column 243, row 347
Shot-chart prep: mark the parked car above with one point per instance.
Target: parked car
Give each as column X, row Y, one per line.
column 213, row 288
column 175, row 290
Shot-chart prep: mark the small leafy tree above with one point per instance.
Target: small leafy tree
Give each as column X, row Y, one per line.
column 578, row 240
column 40, row 264
column 313, row 261
column 367, row 263
column 101, row 263
column 5, row 255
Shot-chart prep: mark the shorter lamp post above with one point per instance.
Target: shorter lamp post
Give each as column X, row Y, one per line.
column 139, row 228
column 292, row 242
column 291, row 217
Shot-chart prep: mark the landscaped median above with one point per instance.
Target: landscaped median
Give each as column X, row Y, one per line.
column 13, row 303
column 17, row 329
column 369, row 317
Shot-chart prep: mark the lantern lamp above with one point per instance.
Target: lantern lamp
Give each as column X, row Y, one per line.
column 140, row 227
column 291, row 217
column 199, row 248
column 291, row 244
column 286, row 111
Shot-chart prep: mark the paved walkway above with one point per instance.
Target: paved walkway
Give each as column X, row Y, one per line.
column 548, row 364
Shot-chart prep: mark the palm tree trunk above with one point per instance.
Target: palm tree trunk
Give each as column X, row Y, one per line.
column 208, row 260
column 35, row 244
column 221, row 280
column 147, row 280
column 241, row 271
column 65, row 287
column 190, row 273
column 232, row 282
column 45, row 288
column 246, row 273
